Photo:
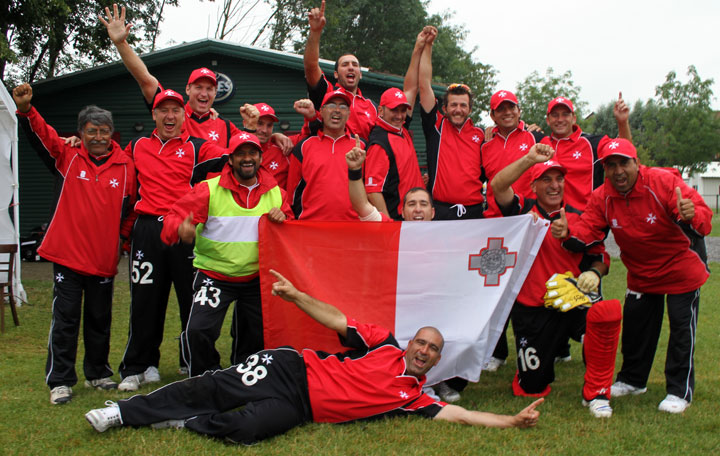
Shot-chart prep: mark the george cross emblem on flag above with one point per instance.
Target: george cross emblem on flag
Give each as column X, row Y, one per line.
column 213, row 135
column 614, row 145
column 502, row 94
column 492, row 261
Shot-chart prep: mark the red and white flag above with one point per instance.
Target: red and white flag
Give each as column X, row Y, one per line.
column 460, row 276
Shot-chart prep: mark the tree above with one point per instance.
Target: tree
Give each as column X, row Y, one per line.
column 685, row 133
column 44, row 38
column 535, row 92
column 381, row 35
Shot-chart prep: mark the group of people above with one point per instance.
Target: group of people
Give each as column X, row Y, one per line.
column 188, row 198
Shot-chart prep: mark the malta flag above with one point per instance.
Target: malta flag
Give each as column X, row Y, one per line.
column 461, row 277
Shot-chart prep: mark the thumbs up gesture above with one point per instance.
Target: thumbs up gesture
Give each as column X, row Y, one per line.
column 559, row 227
column 686, row 208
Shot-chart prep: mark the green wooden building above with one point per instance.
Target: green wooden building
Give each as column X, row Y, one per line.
column 248, row 75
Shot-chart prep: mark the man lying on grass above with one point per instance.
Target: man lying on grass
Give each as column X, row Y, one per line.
column 282, row 388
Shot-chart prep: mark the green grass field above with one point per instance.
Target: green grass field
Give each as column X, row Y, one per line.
column 715, row 225
column 30, row 425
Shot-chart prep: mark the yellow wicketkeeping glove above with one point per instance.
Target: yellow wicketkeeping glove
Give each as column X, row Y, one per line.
column 563, row 294
column 588, row 281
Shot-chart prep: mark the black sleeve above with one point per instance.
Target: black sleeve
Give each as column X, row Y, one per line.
column 149, row 106
column 317, row 93
column 538, row 135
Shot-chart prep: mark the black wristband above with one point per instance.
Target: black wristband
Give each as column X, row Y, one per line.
column 355, row 174
column 596, row 272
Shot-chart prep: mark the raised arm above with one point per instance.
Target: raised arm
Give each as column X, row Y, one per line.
column 427, row 96
column 502, row 182
column 118, row 32
column 356, row 188
column 622, row 117
column 528, row 417
column 322, row 312
column 311, row 59
column 410, row 83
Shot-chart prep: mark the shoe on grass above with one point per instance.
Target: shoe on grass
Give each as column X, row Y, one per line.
column 151, row 375
column 673, row 404
column 105, row 383
column 599, row 407
column 623, row 389
column 493, row 364
column 169, row 424
column 446, row 393
column 131, row 382
column 60, row 395
column 103, row 419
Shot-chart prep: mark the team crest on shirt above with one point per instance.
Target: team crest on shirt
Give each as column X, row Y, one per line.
column 614, row 224
column 651, row 218
column 492, row 261
column 403, row 395
column 213, row 135
column 273, row 165
column 83, row 175
column 523, row 147
column 114, row 183
column 180, row 153
column 476, row 139
column 577, row 154
column 59, row 277
column 267, row 359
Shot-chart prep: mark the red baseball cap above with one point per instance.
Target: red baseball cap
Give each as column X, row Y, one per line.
column 243, row 138
column 539, row 169
column 393, row 97
column 561, row 101
column 500, row 96
column 203, row 72
column 619, row 146
column 266, row 110
column 338, row 93
column 168, row 94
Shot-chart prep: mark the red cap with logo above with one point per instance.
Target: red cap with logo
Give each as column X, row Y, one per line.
column 243, row 138
column 168, row 94
column 501, row 96
column 266, row 110
column 560, row 101
column 338, row 93
column 393, row 97
column 618, row 146
column 203, row 72
column 539, row 169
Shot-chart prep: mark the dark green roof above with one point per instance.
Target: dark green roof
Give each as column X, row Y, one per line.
column 204, row 46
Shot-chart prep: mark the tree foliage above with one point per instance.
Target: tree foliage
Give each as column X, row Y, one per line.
column 382, row 35
column 536, row 91
column 44, row 38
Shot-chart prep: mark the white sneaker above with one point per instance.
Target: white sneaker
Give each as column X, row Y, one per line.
column 105, row 418
column 623, row 389
column 493, row 364
column 60, row 395
column 673, row 404
column 105, row 383
column 131, row 382
column 599, row 407
column 446, row 393
column 151, row 375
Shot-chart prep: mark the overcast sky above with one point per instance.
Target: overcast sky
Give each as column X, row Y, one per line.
column 614, row 45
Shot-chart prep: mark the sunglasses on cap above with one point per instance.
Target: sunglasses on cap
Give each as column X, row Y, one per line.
column 459, row 86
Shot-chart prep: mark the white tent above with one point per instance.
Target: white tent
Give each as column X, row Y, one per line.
column 9, row 229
